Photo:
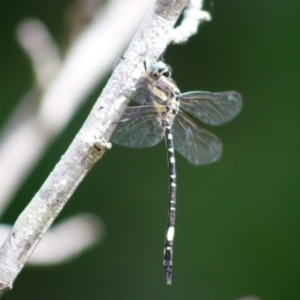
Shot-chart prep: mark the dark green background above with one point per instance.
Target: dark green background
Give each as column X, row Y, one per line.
column 238, row 219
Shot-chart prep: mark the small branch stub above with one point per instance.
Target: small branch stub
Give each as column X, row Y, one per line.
column 193, row 16
column 99, row 147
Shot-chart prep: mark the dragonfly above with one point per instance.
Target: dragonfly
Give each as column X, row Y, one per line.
column 159, row 114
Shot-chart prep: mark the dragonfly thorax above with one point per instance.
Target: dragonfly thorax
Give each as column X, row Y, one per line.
column 163, row 88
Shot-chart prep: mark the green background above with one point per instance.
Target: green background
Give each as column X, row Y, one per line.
column 238, row 223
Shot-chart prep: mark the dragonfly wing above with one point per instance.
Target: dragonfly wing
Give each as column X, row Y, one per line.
column 141, row 94
column 139, row 127
column 212, row 108
column 197, row 145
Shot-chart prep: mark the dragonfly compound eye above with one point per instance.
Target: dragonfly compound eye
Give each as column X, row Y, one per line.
column 159, row 69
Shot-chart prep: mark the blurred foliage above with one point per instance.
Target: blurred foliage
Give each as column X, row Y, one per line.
column 237, row 220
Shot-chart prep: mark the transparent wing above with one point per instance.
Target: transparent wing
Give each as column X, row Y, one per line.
column 212, row 108
column 141, row 93
column 197, row 145
column 139, row 127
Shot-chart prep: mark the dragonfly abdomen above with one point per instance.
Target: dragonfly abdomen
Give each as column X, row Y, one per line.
column 168, row 246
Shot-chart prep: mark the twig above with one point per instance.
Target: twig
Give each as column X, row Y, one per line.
column 68, row 239
column 193, row 16
column 41, row 49
column 250, row 297
column 47, row 108
column 27, row 128
column 64, row 241
column 148, row 44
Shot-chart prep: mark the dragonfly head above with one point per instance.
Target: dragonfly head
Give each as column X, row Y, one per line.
column 159, row 69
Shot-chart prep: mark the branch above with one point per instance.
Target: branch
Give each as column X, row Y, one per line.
column 85, row 63
column 64, row 241
column 41, row 49
column 193, row 16
column 61, row 86
column 89, row 144
column 251, row 297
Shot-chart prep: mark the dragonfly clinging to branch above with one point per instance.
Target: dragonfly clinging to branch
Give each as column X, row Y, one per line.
column 160, row 115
